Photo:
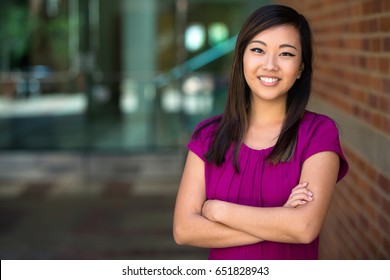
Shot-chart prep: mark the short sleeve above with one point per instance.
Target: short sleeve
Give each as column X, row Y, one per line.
column 324, row 136
column 202, row 136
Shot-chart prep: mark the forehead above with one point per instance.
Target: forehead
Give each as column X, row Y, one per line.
column 278, row 35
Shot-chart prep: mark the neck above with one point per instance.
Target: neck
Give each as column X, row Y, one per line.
column 267, row 113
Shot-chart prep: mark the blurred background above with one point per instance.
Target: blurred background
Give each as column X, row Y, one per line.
column 98, row 100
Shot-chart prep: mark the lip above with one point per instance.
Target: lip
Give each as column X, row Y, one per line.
column 269, row 80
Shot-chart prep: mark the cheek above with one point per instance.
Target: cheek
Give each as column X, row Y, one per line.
column 246, row 69
column 245, row 64
column 249, row 67
column 292, row 71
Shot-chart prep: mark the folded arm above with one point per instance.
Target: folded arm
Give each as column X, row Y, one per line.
column 192, row 227
column 189, row 226
column 300, row 224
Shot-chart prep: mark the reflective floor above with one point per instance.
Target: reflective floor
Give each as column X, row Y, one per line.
column 75, row 187
column 89, row 206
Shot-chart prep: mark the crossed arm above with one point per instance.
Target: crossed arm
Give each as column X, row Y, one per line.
column 217, row 224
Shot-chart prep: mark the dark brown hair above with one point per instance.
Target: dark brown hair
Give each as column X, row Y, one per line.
column 234, row 121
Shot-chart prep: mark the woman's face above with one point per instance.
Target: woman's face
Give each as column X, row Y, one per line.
column 273, row 62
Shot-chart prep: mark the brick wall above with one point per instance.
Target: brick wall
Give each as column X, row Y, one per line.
column 352, row 85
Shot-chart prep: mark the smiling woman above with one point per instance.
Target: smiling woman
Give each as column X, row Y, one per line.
column 273, row 62
column 259, row 178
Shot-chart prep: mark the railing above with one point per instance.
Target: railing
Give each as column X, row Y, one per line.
column 196, row 62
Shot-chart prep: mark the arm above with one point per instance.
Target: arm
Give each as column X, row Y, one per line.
column 189, row 226
column 301, row 224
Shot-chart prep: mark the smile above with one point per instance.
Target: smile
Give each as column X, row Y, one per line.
column 269, row 80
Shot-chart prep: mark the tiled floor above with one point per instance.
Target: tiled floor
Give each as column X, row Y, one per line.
column 89, row 206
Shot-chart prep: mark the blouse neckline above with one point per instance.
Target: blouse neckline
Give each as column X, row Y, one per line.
column 245, row 146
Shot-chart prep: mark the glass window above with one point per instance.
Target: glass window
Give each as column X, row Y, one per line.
column 123, row 75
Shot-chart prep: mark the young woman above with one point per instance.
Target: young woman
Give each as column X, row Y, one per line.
column 258, row 180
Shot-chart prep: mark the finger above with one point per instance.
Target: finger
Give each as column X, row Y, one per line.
column 295, row 200
column 296, row 203
column 300, row 191
column 300, row 186
column 301, row 202
column 301, row 196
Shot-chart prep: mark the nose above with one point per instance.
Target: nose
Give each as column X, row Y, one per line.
column 270, row 63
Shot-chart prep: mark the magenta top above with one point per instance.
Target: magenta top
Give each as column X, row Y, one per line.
column 263, row 184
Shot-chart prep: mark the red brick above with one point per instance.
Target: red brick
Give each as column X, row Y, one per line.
column 385, row 206
column 358, row 95
column 384, row 104
column 384, row 223
column 386, row 246
column 365, row 44
column 386, row 85
column 370, row 171
column 386, row 44
column 384, row 65
column 384, row 24
column 375, row 45
column 366, row 8
column 376, row 6
column 356, row 10
column 374, row 232
column 373, row 101
column 376, row 83
column 384, row 183
column 376, row 120
column 385, row 6
column 386, row 125
column 370, row 210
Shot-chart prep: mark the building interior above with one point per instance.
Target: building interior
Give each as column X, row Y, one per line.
column 97, row 102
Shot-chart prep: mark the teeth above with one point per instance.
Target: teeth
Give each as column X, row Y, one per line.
column 268, row 80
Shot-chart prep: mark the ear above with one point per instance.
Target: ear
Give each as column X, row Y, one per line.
column 300, row 70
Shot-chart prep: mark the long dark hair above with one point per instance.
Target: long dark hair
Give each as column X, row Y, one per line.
column 235, row 120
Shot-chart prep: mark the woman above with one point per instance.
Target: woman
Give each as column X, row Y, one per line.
column 258, row 180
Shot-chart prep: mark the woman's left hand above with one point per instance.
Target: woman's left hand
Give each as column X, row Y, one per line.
column 300, row 195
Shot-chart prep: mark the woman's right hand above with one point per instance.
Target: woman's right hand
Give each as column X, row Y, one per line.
column 300, row 195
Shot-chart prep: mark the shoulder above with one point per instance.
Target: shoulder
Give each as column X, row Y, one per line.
column 319, row 133
column 313, row 122
column 313, row 118
column 207, row 127
column 203, row 135
column 317, row 130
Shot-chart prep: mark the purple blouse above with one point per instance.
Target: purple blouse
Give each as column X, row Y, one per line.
column 263, row 184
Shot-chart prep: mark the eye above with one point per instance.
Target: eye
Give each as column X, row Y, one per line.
column 257, row 50
column 287, row 54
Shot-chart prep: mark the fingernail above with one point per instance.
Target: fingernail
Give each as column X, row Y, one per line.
column 310, row 193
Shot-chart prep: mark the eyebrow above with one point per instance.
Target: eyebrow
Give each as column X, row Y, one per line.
column 281, row 46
